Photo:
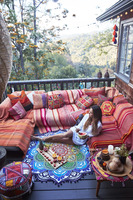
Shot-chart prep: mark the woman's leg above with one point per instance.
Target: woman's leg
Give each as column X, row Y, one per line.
column 58, row 137
column 65, row 138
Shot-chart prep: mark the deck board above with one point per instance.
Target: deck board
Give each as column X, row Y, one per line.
column 84, row 189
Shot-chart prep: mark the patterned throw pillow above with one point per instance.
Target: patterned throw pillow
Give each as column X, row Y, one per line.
column 39, row 101
column 55, row 101
column 111, row 92
column 75, row 114
column 102, row 98
column 17, row 111
column 119, row 99
column 84, row 102
column 24, row 100
column 107, row 108
column 93, row 92
column 95, row 100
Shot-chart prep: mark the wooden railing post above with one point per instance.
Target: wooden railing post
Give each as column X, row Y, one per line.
column 48, row 84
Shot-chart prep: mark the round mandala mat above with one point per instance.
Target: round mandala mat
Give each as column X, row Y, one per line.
column 77, row 164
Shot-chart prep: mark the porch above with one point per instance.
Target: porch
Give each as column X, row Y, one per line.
column 86, row 187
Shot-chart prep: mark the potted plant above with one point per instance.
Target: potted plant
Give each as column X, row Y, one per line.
column 123, row 153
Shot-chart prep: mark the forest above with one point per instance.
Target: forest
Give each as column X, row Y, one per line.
column 40, row 53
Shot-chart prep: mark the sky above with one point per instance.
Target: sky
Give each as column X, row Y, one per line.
column 86, row 12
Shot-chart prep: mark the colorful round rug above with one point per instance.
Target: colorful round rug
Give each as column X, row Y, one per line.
column 76, row 167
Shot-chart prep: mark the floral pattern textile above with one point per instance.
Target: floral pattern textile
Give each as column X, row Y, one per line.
column 55, row 101
column 76, row 166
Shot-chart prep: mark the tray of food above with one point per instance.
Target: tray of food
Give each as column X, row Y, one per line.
column 114, row 167
column 53, row 158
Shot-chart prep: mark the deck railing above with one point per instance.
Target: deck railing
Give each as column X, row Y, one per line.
column 58, row 84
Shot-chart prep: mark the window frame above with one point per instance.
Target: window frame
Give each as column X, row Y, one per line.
column 121, row 75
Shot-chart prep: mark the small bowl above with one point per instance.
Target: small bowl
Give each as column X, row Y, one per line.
column 82, row 135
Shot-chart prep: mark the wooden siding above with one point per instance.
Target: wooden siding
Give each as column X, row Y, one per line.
column 123, row 87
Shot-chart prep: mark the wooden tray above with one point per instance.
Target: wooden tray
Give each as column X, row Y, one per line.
column 127, row 167
column 48, row 157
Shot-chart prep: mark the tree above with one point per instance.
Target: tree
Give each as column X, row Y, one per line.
column 100, row 41
column 5, row 56
column 22, row 18
column 64, row 72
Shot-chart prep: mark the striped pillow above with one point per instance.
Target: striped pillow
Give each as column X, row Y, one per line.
column 39, row 101
column 17, row 111
column 119, row 99
column 93, row 92
column 24, row 100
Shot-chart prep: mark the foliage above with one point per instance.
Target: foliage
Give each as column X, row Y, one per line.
column 122, row 151
column 23, row 22
column 39, row 54
column 63, row 72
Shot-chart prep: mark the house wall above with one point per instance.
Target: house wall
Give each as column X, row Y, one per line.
column 124, row 88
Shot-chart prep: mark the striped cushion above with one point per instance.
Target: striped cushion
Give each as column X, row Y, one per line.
column 119, row 99
column 17, row 111
column 24, row 100
column 95, row 91
column 111, row 92
column 39, row 101
column 69, row 96
column 75, row 114
column 84, row 102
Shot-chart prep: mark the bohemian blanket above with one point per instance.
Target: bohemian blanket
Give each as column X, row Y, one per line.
column 76, row 167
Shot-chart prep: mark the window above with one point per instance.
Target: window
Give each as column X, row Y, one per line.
column 126, row 50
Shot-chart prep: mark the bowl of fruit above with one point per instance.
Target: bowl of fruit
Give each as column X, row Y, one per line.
column 82, row 135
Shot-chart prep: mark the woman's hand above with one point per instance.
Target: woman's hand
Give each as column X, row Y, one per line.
column 77, row 130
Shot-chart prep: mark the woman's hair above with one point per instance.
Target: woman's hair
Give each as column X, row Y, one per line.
column 97, row 116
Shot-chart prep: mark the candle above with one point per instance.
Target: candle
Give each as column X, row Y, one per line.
column 110, row 149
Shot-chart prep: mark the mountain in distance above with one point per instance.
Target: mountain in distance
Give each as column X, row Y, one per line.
column 77, row 45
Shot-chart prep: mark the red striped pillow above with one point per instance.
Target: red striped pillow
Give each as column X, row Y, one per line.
column 24, row 100
column 93, row 92
column 17, row 111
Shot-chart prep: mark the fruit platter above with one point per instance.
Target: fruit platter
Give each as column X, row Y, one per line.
column 50, row 156
column 82, row 135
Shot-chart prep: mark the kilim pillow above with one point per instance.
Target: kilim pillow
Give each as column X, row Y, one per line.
column 93, row 92
column 84, row 102
column 24, row 100
column 95, row 100
column 17, row 111
column 119, row 99
column 107, row 108
column 55, row 101
column 102, row 98
column 111, row 92
column 39, row 101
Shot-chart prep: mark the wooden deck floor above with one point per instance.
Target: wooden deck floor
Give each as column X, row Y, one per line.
column 84, row 189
